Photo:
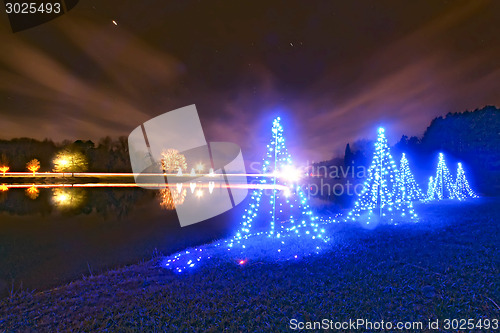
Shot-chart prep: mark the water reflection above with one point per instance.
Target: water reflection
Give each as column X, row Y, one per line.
column 65, row 198
column 55, row 238
column 103, row 198
column 47, row 200
column 171, row 196
column 169, row 199
column 3, row 193
column 32, row 192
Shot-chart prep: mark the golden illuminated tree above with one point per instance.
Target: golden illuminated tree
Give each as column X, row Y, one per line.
column 33, row 165
column 4, row 162
column 172, row 161
column 4, row 169
column 3, row 188
column 69, row 160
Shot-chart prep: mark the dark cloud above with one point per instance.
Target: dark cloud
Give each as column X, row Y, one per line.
column 334, row 70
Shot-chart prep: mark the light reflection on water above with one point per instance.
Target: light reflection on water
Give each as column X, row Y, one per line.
column 55, row 237
column 32, row 192
column 66, row 196
column 171, row 198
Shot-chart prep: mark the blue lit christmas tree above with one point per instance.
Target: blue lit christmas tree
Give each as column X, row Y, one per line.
column 285, row 211
column 462, row 188
column 430, row 190
column 407, row 188
column 277, row 224
column 377, row 200
column 442, row 186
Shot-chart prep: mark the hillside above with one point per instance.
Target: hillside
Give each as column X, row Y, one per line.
column 446, row 266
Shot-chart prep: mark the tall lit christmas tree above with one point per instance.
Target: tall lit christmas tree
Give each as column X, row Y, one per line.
column 377, row 199
column 278, row 222
column 443, row 186
column 462, row 188
column 288, row 212
column 407, row 188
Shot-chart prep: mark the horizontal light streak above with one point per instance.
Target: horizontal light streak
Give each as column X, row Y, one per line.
column 148, row 185
column 129, row 174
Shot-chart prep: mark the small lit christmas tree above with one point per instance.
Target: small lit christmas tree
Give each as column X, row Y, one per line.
column 443, row 186
column 377, row 199
column 407, row 188
column 462, row 188
column 289, row 212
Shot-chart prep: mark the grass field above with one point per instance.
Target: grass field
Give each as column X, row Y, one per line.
column 446, row 266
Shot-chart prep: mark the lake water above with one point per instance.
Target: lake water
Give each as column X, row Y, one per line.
column 51, row 236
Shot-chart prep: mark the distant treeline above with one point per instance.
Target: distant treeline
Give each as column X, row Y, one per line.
column 470, row 137
column 108, row 155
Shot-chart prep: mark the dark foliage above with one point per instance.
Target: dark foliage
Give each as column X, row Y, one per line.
column 471, row 137
column 109, row 155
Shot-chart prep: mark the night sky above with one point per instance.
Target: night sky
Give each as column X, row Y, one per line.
column 335, row 70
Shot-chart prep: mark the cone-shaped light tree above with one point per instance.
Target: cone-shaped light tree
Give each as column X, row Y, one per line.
column 442, row 186
column 284, row 208
column 462, row 188
column 407, row 188
column 377, row 200
column 278, row 216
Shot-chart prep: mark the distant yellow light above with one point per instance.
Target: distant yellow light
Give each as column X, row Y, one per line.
column 67, row 197
column 62, row 198
column 62, row 162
